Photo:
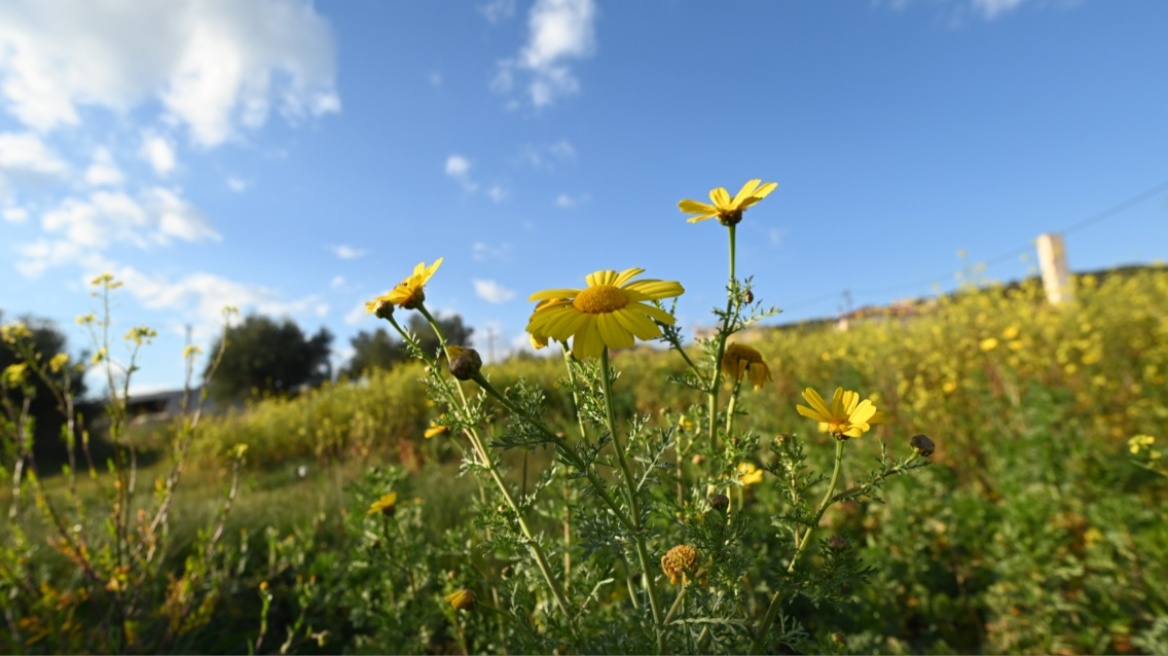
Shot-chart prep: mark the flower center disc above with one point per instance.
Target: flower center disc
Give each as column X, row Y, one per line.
column 601, row 299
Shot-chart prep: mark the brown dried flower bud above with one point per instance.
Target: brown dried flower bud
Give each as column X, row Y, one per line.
column 923, row 445
column 749, row 296
column 837, row 543
column 465, row 363
column 720, row 502
column 680, row 561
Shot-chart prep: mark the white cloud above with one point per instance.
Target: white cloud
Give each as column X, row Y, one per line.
column 216, row 67
column 347, row 252
column 565, row 201
column 238, row 185
column 458, row 167
column 492, row 292
column 159, row 153
column 559, row 30
column 27, row 153
column 497, row 11
column 202, row 296
column 91, row 224
column 103, row 171
column 337, row 281
column 497, row 193
column 481, row 251
column 15, row 214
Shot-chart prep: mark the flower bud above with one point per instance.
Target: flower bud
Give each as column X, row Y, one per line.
column 698, row 459
column 922, row 444
column 837, row 543
column 749, row 296
column 461, row 599
column 465, row 363
column 720, row 502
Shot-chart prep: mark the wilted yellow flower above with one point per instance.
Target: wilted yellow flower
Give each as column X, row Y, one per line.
column 408, row 293
column 609, row 312
column 58, row 362
column 99, row 356
column 461, row 599
column 680, row 562
column 14, row 374
column 435, row 429
column 748, row 474
column 386, row 505
column 741, row 359
column 728, row 210
column 846, row 417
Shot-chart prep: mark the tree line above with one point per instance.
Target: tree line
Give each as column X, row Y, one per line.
column 265, row 356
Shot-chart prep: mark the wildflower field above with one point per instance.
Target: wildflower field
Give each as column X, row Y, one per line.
column 983, row 474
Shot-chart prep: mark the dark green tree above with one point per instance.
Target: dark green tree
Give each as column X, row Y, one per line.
column 381, row 350
column 43, row 406
column 269, row 356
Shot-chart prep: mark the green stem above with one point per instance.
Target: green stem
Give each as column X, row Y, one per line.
column 533, row 546
column 730, row 406
column 575, row 396
column 776, row 600
column 562, row 449
column 723, row 334
column 635, row 506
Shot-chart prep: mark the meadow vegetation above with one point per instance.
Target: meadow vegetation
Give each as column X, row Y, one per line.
column 638, row 499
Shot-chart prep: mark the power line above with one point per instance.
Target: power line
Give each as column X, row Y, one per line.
column 1108, row 213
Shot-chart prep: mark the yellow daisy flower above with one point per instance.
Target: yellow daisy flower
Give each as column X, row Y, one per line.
column 408, row 293
column 461, row 599
column 385, row 505
column 609, row 312
column 541, row 341
column 741, row 359
column 729, row 211
column 846, row 417
column 749, row 474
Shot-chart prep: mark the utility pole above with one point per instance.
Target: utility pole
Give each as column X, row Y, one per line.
column 1052, row 260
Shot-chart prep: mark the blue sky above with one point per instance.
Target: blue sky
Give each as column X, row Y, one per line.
column 297, row 158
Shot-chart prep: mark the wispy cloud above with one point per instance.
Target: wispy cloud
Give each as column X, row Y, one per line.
column 103, row 171
column 497, row 194
column 559, row 31
column 103, row 218
column 238, row 185
column 497, row 11
column 482, row 251
column 546, row 156
column 492, row 292
column 565, row 201
column 348, row 252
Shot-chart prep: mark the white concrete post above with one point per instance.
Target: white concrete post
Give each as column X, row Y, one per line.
column 1052, row 260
